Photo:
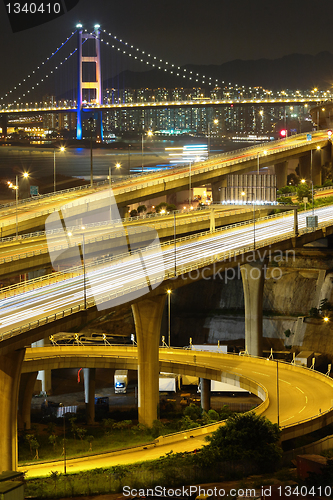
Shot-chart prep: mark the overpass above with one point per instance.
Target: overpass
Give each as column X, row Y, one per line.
column 299, row 407
column 31, row 315
column 30, row 215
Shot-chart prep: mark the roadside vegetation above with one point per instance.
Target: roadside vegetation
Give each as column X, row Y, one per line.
column 46, row 441
column 247, row 444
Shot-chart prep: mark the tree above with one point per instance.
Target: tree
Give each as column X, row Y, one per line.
column 303, row 191
column 133, row 213
column 141, row 209
column 160, row 207
column 246, row 437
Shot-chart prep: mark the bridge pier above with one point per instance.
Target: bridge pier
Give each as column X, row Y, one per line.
column 147, row 318
column 281, row 171
column 216, row 189
column 205, row 393
column 10, row 371
column 253, row 275
column 317, row 167
column 26, row 390
column 89, row 376
column 326, row 161
column 4, row 124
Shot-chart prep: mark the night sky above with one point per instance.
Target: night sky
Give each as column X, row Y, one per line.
column 179, row 31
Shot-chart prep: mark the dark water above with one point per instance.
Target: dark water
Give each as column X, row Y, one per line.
column 39, row 161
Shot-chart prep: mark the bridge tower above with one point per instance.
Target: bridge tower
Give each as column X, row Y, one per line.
column 93, row 85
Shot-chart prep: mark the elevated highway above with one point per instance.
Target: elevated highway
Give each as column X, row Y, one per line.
column 32, row 214
column 30, row 251
column 301, row 404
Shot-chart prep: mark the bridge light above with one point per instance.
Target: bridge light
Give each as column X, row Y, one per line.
column 283, row 132
column 79, row 25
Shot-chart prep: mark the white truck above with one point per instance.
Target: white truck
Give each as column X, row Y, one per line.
column 169, row 382
column 120, row 381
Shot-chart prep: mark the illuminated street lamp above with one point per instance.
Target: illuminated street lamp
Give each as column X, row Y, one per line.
column 254, row 218
column 62, row 149
column 169, row 310
column 258, row 161
column 215, row 122
column 149, row 134
column 16, row 187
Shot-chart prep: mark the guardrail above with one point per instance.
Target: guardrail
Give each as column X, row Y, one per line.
column 207, row 166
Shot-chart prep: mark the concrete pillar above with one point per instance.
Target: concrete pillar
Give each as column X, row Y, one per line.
column 316, row 167
column 44, row 375
column 326, row 161
column 26, row 390
column 216, row 189
column 147, row 318
column 253, row 276
column 89, row 376
column 205, row 393
column 212, row 220
column 4, row 124
column 10, row 371
column 281, row 172
column 305, row 166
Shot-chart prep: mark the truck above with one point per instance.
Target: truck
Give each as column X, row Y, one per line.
column 120, row 381
column 169, row 382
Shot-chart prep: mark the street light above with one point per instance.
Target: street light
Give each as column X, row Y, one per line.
column 117, row 165
column 189, row 189
column 16, row 187
column 91, row 122
column 254, row 218
column 169, row 308
column 62, row 149
column 215, row 122
column 258, row 156
column 149, row 134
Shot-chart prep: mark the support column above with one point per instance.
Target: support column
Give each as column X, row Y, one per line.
column 10, row 371
column 326, row 161
column 27, row 385
column 305, row 166
column 147, row 318
column 44, row 375
column 281, row 171
column 217, row 189
column 316, row 167
column 205, row 393
column 89, row 375
column 253, row 275
column 212, row 220
column 4, row 122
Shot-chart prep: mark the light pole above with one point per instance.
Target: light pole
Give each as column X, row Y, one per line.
column 169, row 308
column 258, row 161
column 209, row 128
column 189, row 189
column 254, row 218
column 64, row 449
column 62, row 149
column 16, row 187
column 110, row 180
column 149, row 134
column 91, row 122
column 277, row 392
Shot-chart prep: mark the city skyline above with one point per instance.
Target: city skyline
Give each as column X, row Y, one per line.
column 183, row 34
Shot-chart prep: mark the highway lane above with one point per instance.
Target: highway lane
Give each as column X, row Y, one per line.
column 303, row 393
column 49, row 204
column 110, row 280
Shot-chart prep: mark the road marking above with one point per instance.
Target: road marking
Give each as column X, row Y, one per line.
column 281, row 380
column 300, row 390
column 285, row 420
column 263, row 374
column 302, row 409
column 306, row 399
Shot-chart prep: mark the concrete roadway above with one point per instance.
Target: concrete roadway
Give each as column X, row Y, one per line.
column 303, row 394
column 137, row 188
